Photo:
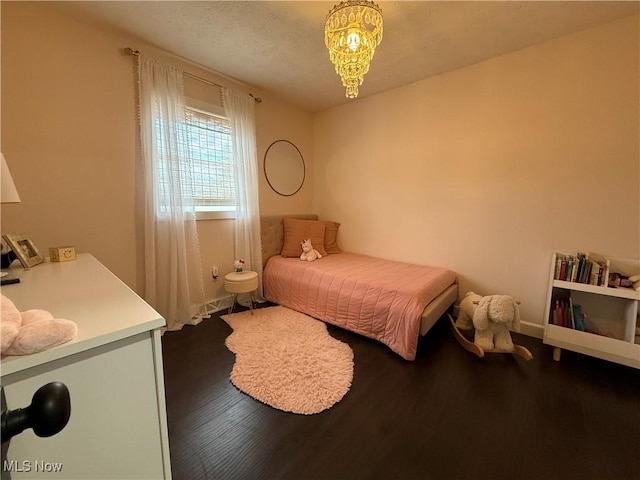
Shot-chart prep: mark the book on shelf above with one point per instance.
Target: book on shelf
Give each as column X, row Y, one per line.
column 579, row 318
column 587, row 268
column 564, row 312
column 604, row 266
column 570, row 315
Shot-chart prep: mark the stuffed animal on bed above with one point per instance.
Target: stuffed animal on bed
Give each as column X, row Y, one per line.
column 492, row 319
column 308, row 252
column 32, row 331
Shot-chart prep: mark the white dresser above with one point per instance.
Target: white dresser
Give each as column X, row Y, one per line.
column 113, row 369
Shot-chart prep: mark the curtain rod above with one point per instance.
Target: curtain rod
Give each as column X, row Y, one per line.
column 136, row 53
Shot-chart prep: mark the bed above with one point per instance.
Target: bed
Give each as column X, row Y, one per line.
column 392, row 302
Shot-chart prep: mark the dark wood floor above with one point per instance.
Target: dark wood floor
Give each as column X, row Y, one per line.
column 448, row 415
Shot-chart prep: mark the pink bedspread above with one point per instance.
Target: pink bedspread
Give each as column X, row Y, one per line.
column 377, row 298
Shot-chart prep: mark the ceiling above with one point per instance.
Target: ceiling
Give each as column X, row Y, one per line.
column 279, row 46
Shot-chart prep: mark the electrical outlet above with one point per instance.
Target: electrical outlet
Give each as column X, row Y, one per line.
column 214, row 273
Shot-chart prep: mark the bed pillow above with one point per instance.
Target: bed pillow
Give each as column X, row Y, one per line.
column 295, row 231
column 331, row 236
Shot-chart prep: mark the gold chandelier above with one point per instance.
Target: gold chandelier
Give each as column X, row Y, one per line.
column 352, row 33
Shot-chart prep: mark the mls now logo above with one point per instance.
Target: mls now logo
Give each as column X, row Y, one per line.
column 31, row 466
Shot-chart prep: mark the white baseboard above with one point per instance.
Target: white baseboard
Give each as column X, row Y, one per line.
column 526, row 328
column 532, row 329
column 216, row 305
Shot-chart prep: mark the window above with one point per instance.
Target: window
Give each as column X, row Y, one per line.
column 209, row 147
column 206, row 141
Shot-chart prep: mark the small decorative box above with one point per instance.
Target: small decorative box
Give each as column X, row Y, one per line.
column 62, row 254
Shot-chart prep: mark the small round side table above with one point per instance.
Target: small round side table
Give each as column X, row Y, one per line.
column 243, row 282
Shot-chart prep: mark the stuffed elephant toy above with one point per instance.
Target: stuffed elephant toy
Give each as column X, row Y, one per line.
column 492, row 319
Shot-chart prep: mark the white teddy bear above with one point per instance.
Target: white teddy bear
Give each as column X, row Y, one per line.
column 308, row 252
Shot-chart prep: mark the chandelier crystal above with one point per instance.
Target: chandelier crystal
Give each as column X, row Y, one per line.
column 352, row 32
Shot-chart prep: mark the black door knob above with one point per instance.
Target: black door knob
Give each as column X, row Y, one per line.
column 48, row 413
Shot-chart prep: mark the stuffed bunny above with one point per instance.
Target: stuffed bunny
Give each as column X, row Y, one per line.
column 308, row 252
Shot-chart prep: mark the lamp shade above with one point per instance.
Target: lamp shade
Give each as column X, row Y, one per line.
column 8, row 192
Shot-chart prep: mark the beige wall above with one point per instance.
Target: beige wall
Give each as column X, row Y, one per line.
column 69, row 135
column 489, row 169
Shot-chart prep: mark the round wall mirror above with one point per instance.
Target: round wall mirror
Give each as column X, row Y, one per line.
column 284, row 167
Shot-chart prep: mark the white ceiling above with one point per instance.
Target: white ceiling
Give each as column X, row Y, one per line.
column 279, row 46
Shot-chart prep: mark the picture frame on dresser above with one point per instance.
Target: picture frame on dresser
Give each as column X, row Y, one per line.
column 24, row 248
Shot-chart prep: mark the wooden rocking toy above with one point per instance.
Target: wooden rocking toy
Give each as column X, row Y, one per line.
column 469, row 346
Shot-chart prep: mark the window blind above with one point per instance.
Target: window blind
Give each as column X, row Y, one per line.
column 209, row 148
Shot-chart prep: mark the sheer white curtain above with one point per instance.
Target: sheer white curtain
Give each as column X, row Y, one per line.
column 173, row 271
column 240, row 110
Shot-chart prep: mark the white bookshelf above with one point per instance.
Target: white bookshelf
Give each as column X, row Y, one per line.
column 612, row 312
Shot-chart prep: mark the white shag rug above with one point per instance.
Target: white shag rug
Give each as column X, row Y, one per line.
column 288, row 360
